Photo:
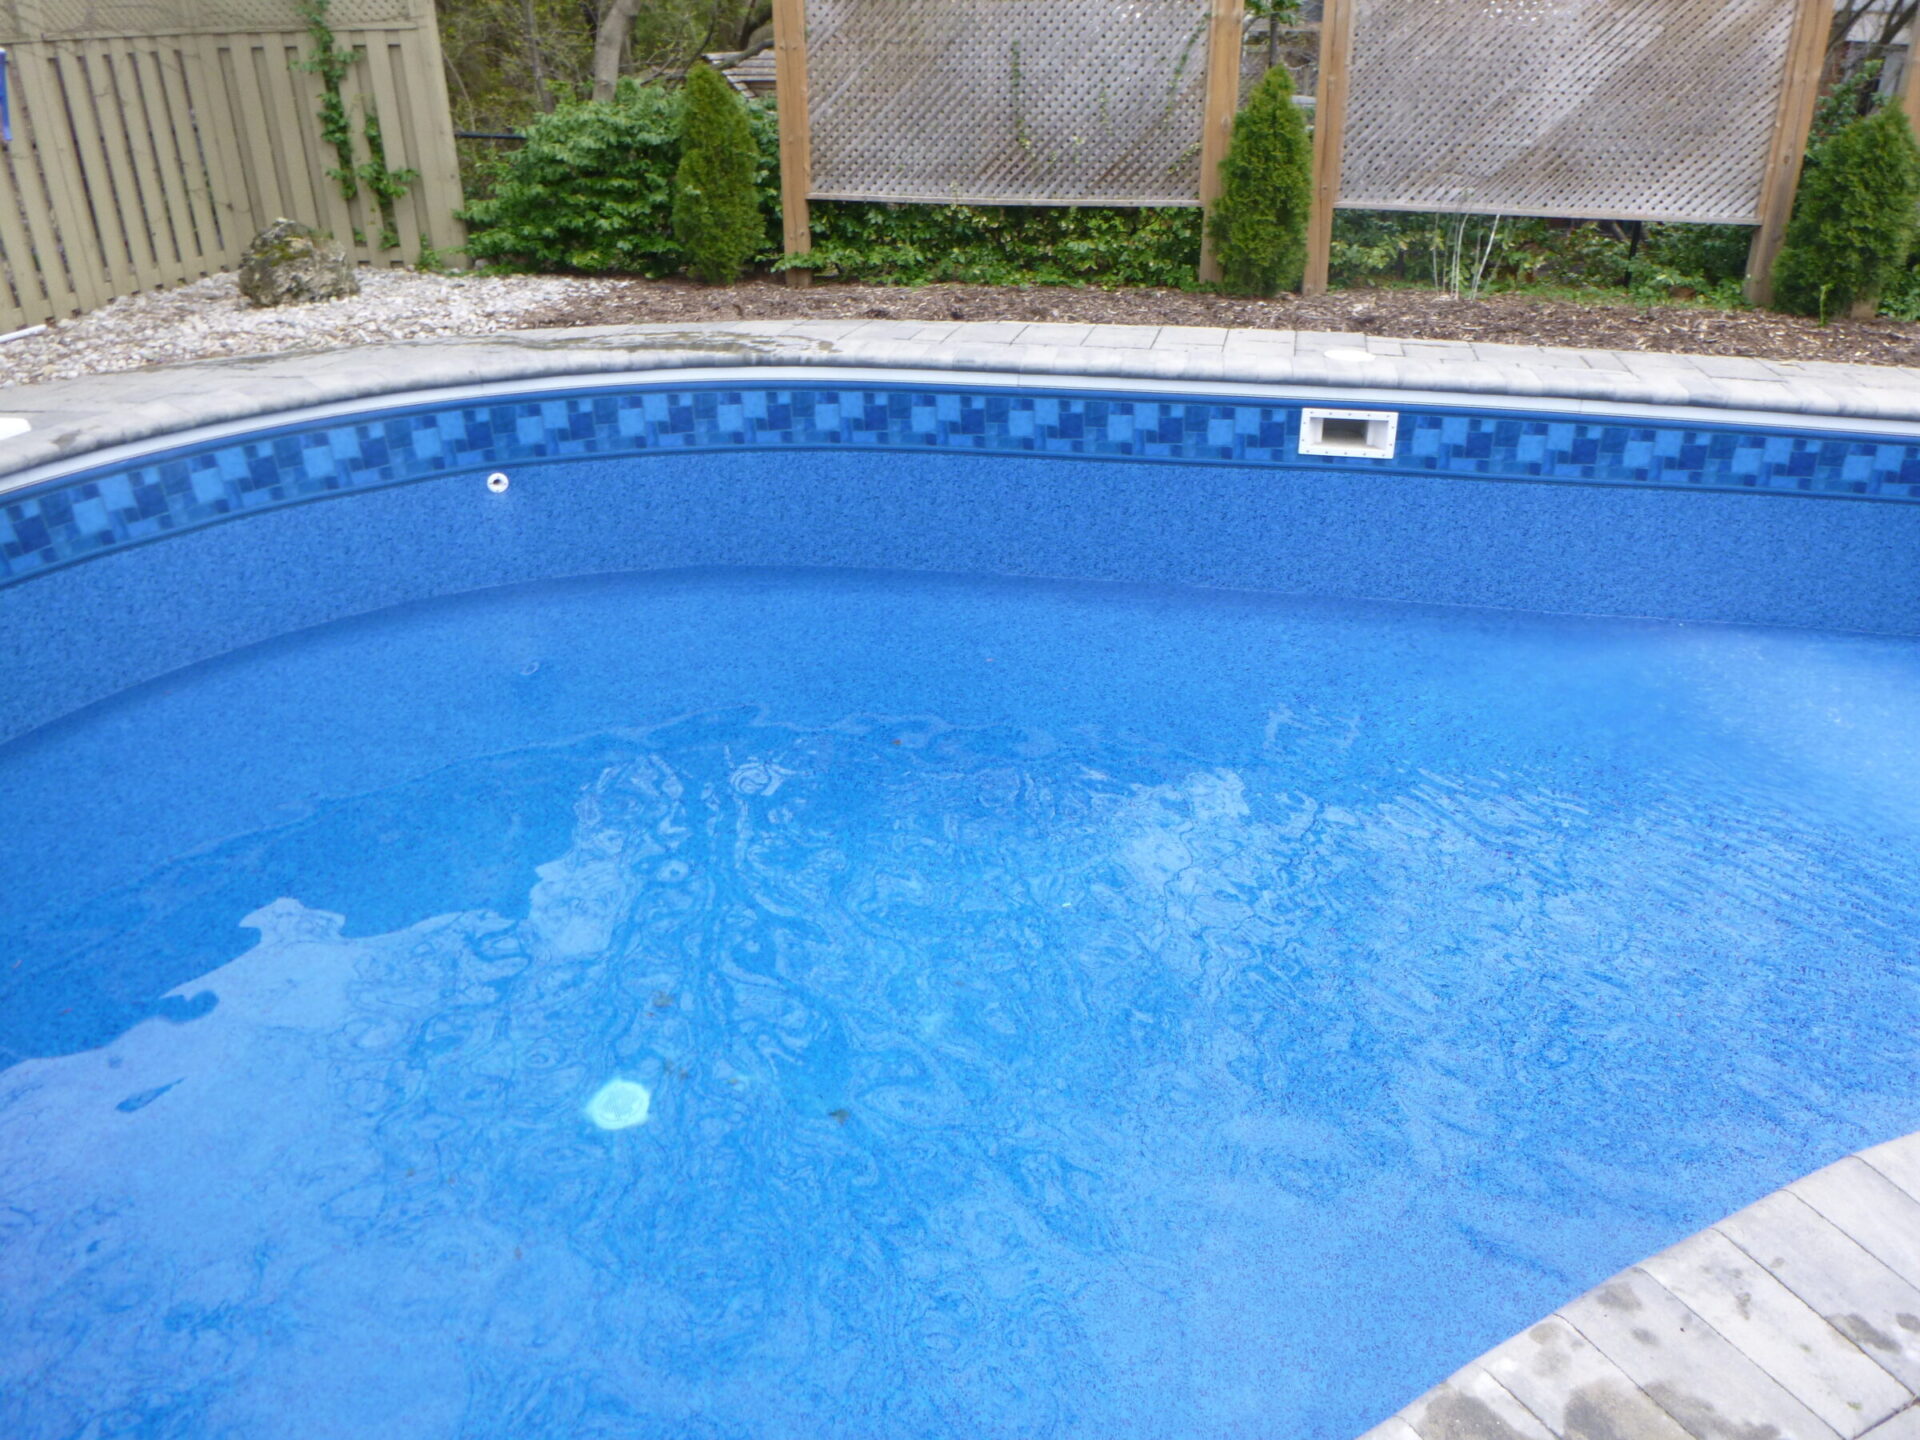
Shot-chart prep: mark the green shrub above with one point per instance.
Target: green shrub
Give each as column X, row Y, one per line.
column 1004, row 244
column 1672, row 262
column 1259, row 224
column 1853, row 224
column 592, row 189
column 716, row 215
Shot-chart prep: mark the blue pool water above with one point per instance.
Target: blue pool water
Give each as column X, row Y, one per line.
column 771, row 1004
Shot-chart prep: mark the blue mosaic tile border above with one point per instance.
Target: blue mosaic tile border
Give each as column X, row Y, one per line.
column 96, row 512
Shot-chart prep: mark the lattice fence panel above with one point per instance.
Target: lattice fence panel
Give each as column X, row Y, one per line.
column 1604, row 109
column 1007, row 101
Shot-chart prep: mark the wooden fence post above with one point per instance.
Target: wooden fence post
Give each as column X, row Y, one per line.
column 796, row 138
column 1910, row 87
column 440, row 192
column 1799, row 90
column 1329, row 137
column 1216, row 124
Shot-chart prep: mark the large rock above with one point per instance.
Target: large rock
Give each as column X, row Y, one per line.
column 290, row 264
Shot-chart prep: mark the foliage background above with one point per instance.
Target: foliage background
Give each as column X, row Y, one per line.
column 591, row 193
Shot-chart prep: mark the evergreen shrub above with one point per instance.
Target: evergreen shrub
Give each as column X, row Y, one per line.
column 716, row 215
column 592, row 189
column 1854, row 222
column 1259, row 224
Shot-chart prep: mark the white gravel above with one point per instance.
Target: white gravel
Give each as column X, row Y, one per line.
column 209, row 317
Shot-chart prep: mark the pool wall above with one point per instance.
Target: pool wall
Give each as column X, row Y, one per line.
column 115, row 572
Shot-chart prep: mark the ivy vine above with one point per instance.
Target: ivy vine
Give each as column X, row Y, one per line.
column 332, row 63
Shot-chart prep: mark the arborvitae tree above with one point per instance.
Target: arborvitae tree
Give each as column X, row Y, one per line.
column 1854, row 223
column 716, row 215
column 1259, row 224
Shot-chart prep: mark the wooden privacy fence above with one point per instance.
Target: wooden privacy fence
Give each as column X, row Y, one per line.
column 152, row 139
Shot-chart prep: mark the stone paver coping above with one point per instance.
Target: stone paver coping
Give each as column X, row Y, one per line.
column 1796, row 1319
column 73, row 418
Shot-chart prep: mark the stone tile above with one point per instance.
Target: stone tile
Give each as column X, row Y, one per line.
column 890, row 330
column 1199, row 362
column 829, row 328
column 1052, row 334
column 1657, row 360
column 763, row 327
column 1177, row 335
column 1494, row 353
column 1904, row 1426
column 1779, row 1332
column 996, row 332
column 1686, row 1366
column 1472, row 1405
column 907, row 354
column 1040, row 359
column 1878, row 1214
column 1586, row 384
column 1262, row 339
column 1391, row 1428
column 1576, row 1391
column 1559, row 356
column 1309, row 340
column 1437, row 350
column 1757, row 394
column 1123, row 337
column 1899, row 1161
column 1733, row 367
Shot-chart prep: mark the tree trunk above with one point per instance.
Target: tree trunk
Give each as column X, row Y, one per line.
column 609, row 44
column 542, row 96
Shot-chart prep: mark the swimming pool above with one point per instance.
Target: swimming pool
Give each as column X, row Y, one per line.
column 888, row 906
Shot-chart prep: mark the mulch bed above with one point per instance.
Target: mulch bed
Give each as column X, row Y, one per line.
column 1402, row 314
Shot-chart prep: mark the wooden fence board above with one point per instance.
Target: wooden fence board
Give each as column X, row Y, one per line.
column 365, row 211
column 142, row 64
column 40, row 102
column 95, row 72
column 393, row 131
column 295, row 140
column 94, row 168
column 150, row 178
column 40, row 250
column 24, row 300
column 333, row 214
column 256, row 100
column 255, row 144
column 405, row 117
column 216, row 134
column 170, row 83
column 424, row 93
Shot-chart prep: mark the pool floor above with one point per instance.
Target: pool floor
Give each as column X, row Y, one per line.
column 751, row 1004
